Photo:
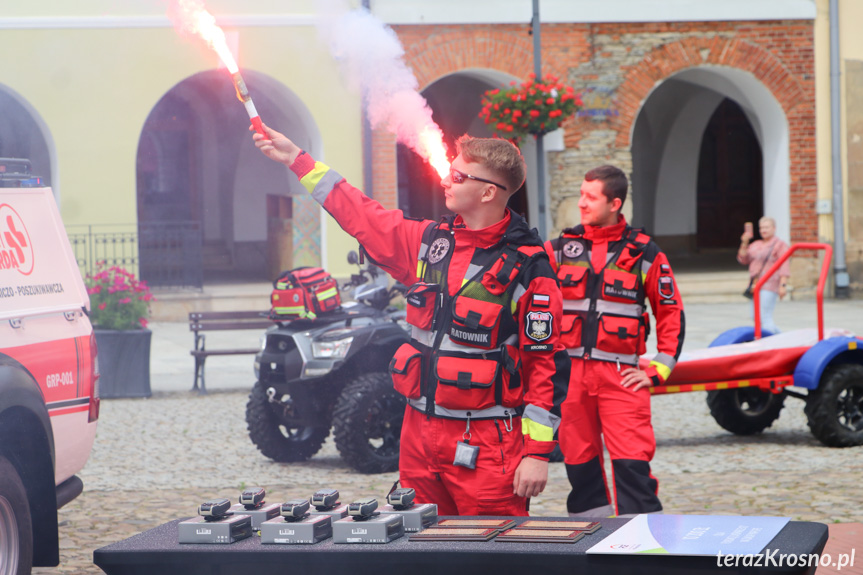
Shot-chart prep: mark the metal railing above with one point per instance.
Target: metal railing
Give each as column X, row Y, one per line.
column 164, row 254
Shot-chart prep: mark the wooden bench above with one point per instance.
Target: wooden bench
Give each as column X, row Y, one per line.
column 200, row 321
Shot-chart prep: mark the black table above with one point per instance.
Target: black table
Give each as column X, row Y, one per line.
column 157, row 552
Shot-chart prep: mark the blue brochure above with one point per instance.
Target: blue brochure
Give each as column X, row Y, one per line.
column 692, row 535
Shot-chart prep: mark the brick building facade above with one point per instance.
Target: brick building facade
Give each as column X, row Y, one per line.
column 638, row 80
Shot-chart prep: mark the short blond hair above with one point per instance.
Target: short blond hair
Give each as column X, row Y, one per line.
column 500, row 156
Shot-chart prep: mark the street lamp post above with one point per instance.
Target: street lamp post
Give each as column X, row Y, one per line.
column 540, row 149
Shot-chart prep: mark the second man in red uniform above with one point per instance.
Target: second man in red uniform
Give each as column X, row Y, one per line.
column 608, row 271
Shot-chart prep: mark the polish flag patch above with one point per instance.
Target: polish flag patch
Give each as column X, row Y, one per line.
column 540, row 300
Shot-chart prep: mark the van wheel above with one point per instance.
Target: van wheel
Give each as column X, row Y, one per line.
column 367, row 423
column 16, row 532
column 275, row 435
column 745, row 410
column 835, row 410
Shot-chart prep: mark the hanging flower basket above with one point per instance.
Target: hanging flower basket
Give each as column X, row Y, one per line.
column 532, row 107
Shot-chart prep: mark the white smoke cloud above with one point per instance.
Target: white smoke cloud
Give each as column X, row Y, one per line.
column 371, row 58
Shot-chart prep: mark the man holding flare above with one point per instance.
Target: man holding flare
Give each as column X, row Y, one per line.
column 484, row 373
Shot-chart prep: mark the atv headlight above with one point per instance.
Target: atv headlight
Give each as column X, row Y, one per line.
column 332, row 348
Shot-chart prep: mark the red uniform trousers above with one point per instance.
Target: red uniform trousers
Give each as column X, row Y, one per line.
column 597, row 408
column 428, row 450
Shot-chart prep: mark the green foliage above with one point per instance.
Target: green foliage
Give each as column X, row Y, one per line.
column 118, row 300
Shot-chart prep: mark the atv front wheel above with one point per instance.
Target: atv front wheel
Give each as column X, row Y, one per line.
column 367, row 423
column 745, row 410
column 274, row 434
column 835, row 409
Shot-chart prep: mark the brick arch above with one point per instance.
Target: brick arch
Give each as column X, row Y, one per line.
column 668, row 59
column 459, row 50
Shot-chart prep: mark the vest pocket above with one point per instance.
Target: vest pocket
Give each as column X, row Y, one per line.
column 465, row 382
column 573, row 281
column 570, row 330
column 475, row 322
column 421, row 303
column 619, row 334
column 619, row 286
column 405, row 369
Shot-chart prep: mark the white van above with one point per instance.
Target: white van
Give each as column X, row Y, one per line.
column 49, row 399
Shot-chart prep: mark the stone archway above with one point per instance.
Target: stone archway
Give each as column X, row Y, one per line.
column 24, row 134
column 196, row 164
column 666, row 144
column 779, row 107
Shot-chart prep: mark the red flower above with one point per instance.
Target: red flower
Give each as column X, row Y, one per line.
column 549, row 101
column 143, row 322
column 103, row 305
column 534, row 113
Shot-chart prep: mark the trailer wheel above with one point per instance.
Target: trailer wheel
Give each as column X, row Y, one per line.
column 835, row 408
column 745, row 410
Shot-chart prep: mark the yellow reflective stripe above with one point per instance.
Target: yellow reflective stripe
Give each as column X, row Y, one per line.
column 311, row 179
column 326, row 293
column 301, row 310
column 536, row 431
column 663, row 370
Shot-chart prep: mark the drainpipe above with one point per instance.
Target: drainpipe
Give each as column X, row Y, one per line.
column 540, row 149
column 840, row 271
column 368, row 178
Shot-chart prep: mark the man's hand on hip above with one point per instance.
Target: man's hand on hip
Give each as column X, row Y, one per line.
column 531, row 476
column 634, row 378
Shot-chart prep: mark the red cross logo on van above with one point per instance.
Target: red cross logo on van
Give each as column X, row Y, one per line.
column 16, row 251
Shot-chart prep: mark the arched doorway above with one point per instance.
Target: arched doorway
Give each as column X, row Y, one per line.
column 202, row 185
column 455, row 103
column 667, row 145
column 23, row 134
column 730, row 178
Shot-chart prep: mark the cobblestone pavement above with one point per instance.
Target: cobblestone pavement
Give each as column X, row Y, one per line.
column 155, row 459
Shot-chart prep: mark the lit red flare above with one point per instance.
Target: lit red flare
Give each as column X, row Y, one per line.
column 432, row 148
column 191, row 17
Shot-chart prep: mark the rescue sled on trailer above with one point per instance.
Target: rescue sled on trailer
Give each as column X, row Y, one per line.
column 748, row 374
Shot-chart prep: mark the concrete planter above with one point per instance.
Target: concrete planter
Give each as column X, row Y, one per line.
column 124, row 363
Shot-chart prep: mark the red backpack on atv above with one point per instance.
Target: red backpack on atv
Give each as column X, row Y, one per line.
column 304, row 293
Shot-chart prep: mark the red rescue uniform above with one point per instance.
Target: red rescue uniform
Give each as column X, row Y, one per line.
column 484, row 367
column 607, row 274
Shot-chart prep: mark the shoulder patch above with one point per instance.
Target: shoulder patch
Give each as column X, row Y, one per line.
column 666, row 287
column 541, row 300
column 538, row 325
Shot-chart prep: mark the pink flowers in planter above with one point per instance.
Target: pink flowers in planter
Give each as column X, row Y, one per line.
column 118, row 300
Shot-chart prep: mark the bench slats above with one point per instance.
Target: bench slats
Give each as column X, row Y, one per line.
column 222, row 321
column 219, row 315
column 228, row 325
column 204, row 353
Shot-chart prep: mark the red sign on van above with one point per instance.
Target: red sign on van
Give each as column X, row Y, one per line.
column 16, row 251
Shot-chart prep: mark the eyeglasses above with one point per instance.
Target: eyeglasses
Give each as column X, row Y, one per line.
column 459, row 178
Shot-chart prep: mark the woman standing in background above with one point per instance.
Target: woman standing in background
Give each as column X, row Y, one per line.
column 759, row 256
